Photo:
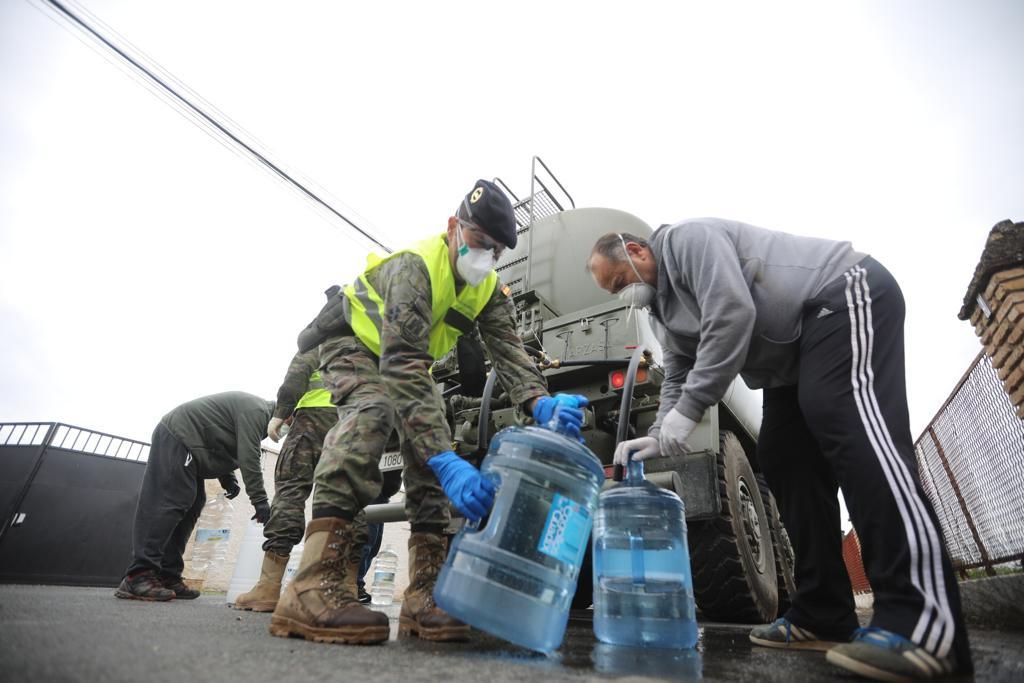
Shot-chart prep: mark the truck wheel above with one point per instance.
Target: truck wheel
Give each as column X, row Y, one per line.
column 734, row 575
column 785, row 559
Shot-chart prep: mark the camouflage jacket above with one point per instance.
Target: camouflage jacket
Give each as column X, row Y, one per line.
column 223, row 433
column 296, row 383
column 403, row 282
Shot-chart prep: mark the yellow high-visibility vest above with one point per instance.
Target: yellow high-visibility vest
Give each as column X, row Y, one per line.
column 316, row 396
column 452, row 315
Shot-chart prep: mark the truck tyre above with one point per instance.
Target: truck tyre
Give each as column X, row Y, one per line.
column 785, row 560
column 734, row 575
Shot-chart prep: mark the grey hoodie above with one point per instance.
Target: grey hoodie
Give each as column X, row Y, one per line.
column 730, row 301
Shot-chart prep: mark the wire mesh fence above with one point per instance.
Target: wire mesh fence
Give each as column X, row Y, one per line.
column 971, row 461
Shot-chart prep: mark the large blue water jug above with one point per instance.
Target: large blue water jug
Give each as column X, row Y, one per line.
column 515, row 577
column 643, row 588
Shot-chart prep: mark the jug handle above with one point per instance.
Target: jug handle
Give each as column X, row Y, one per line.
column 479, row 524
column 618, row 472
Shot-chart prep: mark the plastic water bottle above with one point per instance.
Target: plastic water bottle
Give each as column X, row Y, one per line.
column 248, row 563
column 384, row 567
column 294, row 560
column 643, row 588
column 515, row 577
column 213, row 529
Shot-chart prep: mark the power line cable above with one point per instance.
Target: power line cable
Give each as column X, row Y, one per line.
column 199, row 116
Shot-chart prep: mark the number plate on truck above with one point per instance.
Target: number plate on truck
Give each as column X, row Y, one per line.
column 391, row 461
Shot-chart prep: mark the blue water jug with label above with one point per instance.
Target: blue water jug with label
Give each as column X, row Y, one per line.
column 514, row 577
column 643, row 588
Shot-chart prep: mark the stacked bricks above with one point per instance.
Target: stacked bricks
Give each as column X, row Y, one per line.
column 855, row 564
column 998, row 319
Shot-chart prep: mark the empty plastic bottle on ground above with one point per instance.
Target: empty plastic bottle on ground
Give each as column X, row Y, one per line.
column 294, row 560
column 248, row 562
column 384, row 567
column 643, row 588
column 515, row 577
column 213, row 529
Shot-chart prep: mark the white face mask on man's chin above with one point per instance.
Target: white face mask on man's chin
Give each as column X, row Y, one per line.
column 637, row 295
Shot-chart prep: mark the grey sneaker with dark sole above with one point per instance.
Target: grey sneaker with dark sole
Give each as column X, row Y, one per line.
column 783, row 633
column 886, row 656
column 180, row 588
column 144, row 586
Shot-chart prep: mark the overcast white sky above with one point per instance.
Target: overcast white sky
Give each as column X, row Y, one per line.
column 143, row 263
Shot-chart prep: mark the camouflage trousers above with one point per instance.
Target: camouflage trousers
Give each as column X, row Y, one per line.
column 348, row 477
column 293, row 480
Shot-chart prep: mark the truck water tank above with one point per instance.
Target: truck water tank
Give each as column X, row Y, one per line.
column 557, row 248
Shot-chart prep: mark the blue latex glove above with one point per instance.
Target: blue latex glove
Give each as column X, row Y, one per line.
column 563, row 410
column 463, row 484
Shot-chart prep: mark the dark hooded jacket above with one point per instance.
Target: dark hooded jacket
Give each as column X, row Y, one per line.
column 223, row 433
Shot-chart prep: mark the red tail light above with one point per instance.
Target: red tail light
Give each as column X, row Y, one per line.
column 617, row 378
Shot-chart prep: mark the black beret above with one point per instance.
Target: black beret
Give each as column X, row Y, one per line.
column 488, row 207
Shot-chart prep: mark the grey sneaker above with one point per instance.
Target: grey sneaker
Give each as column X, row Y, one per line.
column 145, row 585
column 886, row 656
column 180, row 588
column 785, row 634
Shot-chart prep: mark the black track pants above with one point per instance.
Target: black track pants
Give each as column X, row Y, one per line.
column 846, row 425
column 171, row 499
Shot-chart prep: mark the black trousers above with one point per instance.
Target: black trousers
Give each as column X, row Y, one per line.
column 170, row 502
column 846, row 425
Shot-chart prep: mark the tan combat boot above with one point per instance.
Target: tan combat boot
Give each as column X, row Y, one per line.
column 420, row 616
column 263, row 596
column 320, row 603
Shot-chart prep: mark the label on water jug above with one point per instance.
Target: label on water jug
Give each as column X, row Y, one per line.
column 565, row 531
column 383, row 576
column 203, row 535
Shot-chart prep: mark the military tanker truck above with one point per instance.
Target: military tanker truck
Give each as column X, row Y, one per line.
column 588, row 343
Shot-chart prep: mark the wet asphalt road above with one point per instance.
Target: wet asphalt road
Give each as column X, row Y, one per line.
column 85, row 634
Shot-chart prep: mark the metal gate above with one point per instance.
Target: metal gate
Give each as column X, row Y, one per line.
column 68, row 497
column 971, row 459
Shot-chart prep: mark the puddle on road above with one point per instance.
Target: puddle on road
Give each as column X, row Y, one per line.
column 580, row 651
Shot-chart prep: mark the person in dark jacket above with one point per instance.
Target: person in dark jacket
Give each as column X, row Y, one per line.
column 207, row 438
column 819, row 327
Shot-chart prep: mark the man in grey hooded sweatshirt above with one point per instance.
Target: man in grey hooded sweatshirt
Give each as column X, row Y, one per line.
column 819, row 327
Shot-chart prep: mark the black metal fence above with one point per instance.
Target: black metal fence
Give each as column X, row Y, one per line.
column 971, row 460
column 68, row 498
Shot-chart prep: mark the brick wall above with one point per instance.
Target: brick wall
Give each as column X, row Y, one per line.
column 998, row 320
column 854, row 563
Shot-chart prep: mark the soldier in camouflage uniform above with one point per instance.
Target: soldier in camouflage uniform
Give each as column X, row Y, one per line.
column 303, row 402
column 377, row 341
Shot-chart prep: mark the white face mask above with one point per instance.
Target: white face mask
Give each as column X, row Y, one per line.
column 637, row 295
column 473, row 265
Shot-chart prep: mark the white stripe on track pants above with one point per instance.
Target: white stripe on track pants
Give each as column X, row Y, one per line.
column 846, row 425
